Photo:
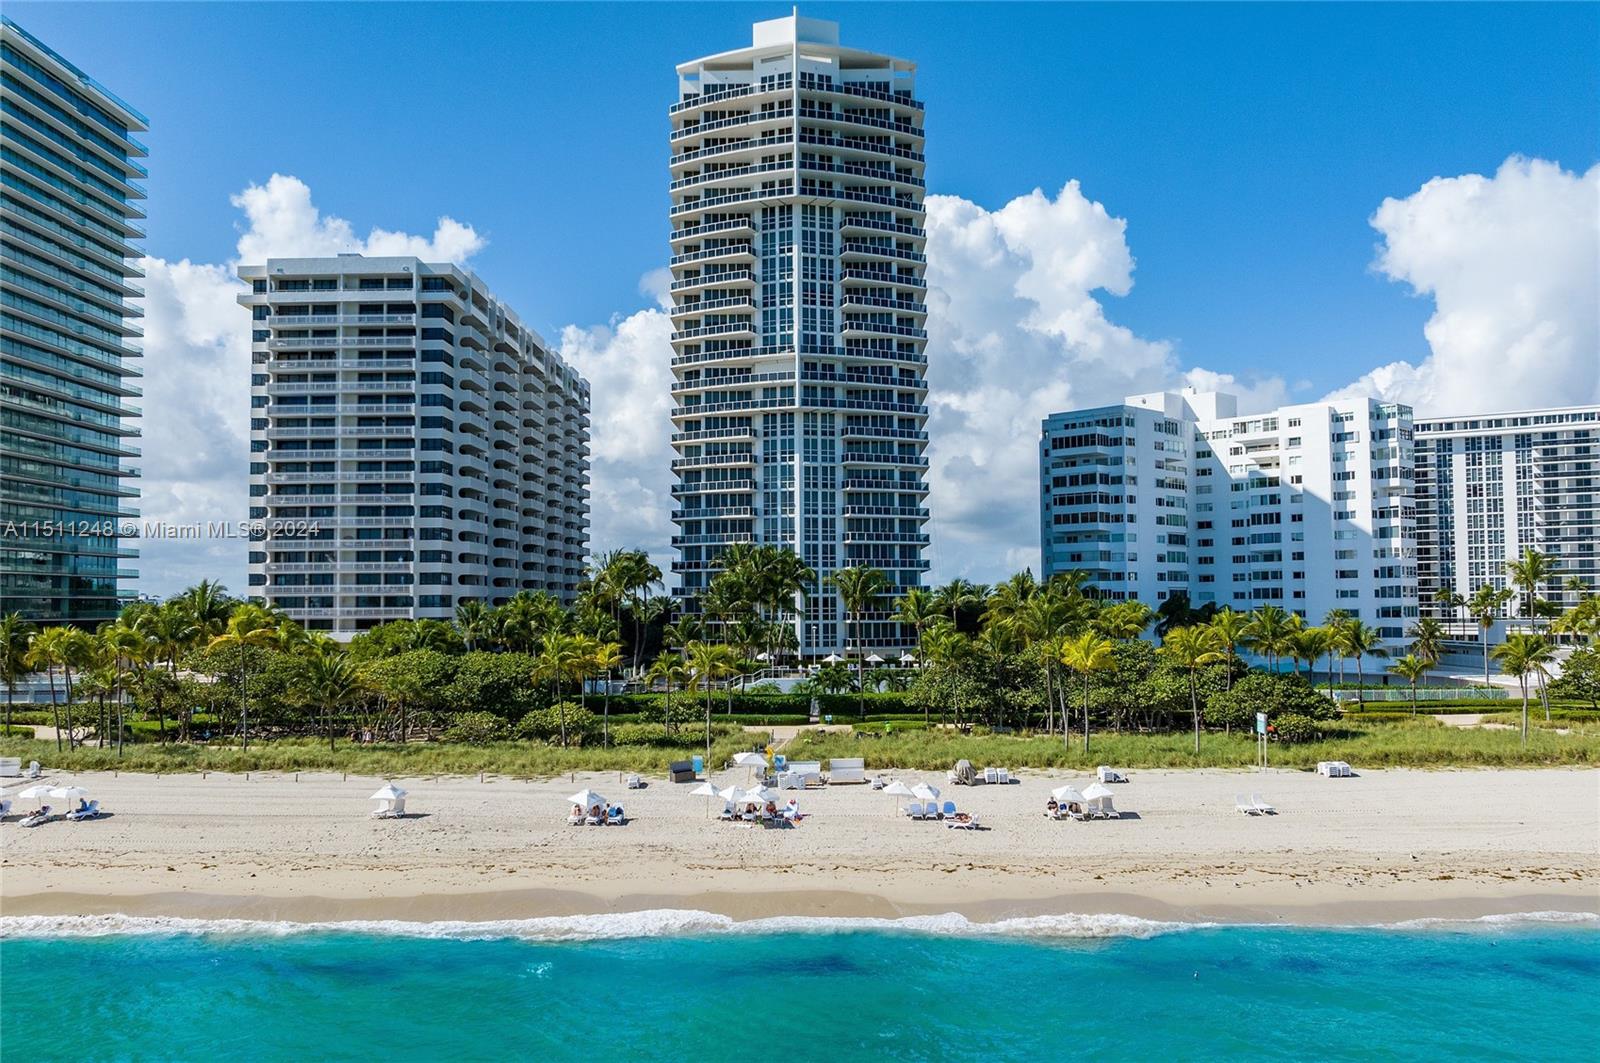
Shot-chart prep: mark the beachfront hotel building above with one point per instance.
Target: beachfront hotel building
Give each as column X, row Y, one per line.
column 69, row 213
column 1308, row 507
column 1490, row 486
column 413, row 444
column 798, row 316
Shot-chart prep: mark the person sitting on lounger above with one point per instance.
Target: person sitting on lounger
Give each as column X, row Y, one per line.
column 1050, row 807
column 577, row 811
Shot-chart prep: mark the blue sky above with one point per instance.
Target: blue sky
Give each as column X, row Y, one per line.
column 1394, row 200
column 1245, row 144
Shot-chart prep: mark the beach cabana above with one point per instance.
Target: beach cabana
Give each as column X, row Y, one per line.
column 1067, row 798
column 391, row 802
column 1099, row 797
column 592, row 805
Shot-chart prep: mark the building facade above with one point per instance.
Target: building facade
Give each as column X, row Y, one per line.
column 69, row 189
column 1491, row 486
column 798, row 312
column 413, row 444
column 1309, row 507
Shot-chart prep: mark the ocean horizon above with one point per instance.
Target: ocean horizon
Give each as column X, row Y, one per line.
column 648, row 984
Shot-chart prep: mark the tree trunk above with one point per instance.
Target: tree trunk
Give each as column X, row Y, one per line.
column 330, row 728
column 605, row 715
column 1086, row 714
column 244, row 709
column 55, row 708
column 1194, row 707
column 1361, row 685
column 708, row 731
column 1524, row 681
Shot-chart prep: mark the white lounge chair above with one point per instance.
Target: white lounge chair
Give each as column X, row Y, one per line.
column 961, row 821
column 33, row 771
column 727, row 812
column 1261, row 806
column 1247, row 807
column 1002, row 776
column 991, row 776
column 5, row 808
column 1108, row 774
column 633, row 782
column 91, row 810
column 34, row 819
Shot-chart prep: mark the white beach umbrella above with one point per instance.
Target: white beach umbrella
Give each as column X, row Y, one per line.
column 763, row 656
column 760, row 794
column 1097, row 791
column 908, row 658
column 874, row 659
column 833, row 658
column 388, row 792
column 925, row 791
column 750, row 760
column 897, row 790
column 706, row 790
column 69, row 794
column 35, row 793
column 1067, row 795
column 587, row 799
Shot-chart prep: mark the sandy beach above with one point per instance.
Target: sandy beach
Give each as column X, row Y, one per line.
column 1386, row 846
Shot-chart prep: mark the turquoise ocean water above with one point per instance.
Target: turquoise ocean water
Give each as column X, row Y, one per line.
column 682, row 985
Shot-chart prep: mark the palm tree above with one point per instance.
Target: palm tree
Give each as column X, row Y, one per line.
column 329, row 679
column 1124, row 620
column 1412, row 669
column 1310, row 644
column 1086, row 654
column 1360, row 640
column 955, row 596
column 562, row 657
column 860, row 589
column 250, row 626
column 1007, row 599
column 1232, row 629
column 475, row 621
column 917, row 609
column 1193, row 648
column 1484, row 607
column 208, row 606
column 669, row 669
column 1451, row 599
column 1043, row 622
column 707, row 664
column 1427, row 639
column 1526, row 573
column 46, row 651
column 1269, row 632
column 15, row 634
column 124, row 645
column 1521, row 655
column 605, row 657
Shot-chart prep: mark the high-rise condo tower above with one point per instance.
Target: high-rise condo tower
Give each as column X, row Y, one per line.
column 799, row 316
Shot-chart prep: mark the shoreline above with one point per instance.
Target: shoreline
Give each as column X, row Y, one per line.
column 512, row 906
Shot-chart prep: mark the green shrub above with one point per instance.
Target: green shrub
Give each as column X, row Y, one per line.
column 475, row 728
column 1393, row 717
column 1293, row 727
column 544, row 725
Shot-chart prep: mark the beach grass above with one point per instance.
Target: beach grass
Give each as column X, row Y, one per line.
column 1417, row 743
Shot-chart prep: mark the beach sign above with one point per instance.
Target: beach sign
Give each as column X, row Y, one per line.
column 1261, row 723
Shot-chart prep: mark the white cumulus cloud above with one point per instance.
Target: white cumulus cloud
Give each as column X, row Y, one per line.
column 1017, row 330
column 1512, row 263
column 196, row 404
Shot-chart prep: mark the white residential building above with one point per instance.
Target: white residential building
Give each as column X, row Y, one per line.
column 1308, row 507
column 798, row 292
column 1490, row 486
column 413, row 444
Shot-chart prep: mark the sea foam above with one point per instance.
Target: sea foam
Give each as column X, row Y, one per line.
column 676, row 922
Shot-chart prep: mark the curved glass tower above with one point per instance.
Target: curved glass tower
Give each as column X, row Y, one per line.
column 798, row 315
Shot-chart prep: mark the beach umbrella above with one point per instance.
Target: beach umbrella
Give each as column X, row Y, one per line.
column 69, row 794
column 897, row 790
column 760, row 794
column 832, row 658
column 1067, row 795
column 707, row 790
column 35, row 793
column 907, row 658
column 587, row 799
column 1099, row 796
column 388, row 792
column 874, row 659
column 925, row 791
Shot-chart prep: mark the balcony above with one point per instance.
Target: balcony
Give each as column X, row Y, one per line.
column 722, row 228
column 713, row 461
column 737, row 278
column 698, row 129
column 856, row 249
column 703, row 306
column 711, row 487
column 743, row 328
column 873, row 328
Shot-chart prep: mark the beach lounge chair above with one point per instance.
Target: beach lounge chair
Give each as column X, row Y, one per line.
column 948, row 810
column 5, row 808
column 33, row 771
column 615, row 816
column 1247, row 807
column 633, row 782
column 91, row 810
column 1002, row 776
column 991, row 776
column 1106, row 774
column 913, row 809
column 726, row 813
column 10, row 767
column 576, row 819
column 34, row 819
column 1261, row 806
column 791, row 811
column 962, row 821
